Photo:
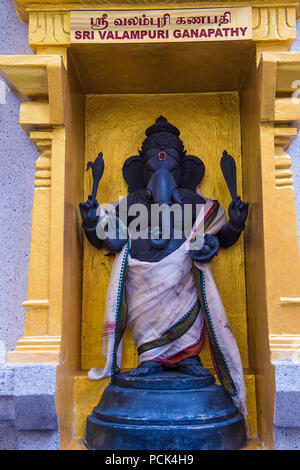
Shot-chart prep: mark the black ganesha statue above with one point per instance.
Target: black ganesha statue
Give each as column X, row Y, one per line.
column 162, row 287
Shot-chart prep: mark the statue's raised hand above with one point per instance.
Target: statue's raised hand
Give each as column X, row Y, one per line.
column 238, row 212
column 97, row 171
column 208, row 251
column 88, row 211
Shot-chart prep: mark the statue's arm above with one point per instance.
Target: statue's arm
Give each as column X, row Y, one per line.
column 91, row 235
column 230, row 232
column 227, row 235
column 94, row 228
column 90, row 220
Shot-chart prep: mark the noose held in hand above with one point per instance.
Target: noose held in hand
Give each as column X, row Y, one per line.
column 97, row 172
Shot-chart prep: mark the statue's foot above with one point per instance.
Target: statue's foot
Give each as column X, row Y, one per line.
column 146, row 368
column 192, row 366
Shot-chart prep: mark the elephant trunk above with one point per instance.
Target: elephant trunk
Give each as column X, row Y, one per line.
column 163, row 190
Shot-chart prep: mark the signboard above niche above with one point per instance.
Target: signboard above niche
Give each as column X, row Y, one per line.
column 156, row 26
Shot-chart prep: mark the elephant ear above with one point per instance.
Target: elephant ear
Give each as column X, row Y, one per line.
column 133, row 172
column 192, row 172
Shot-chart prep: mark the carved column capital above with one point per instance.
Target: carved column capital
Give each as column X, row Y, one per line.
column 271, row 23
column 49, row 28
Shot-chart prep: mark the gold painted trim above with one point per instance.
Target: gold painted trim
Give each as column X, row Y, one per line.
column 36, row 303
column 39, row 341
column 36, row 349
column 285, row 341
column 290, row 301
column 285, row 347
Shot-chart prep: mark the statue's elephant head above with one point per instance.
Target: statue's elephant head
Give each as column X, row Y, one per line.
column 162, row 165
column 163, row 177
column 163, row 168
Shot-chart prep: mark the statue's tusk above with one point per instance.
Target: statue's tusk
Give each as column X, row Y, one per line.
column 176, row 196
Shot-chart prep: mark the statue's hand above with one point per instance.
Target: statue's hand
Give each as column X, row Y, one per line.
column 238, row 212
column 208, row 251
column 88, row 211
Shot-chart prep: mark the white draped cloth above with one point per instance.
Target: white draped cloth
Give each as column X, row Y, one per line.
column 160, row 297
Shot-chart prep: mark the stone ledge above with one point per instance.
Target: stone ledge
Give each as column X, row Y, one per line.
column 287, row 402
column 27, row 404
column 286, row 438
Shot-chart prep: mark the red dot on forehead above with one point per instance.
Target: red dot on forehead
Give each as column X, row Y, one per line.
column 162, row 156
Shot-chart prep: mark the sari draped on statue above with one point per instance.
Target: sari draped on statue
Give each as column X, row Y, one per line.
column 170, row 305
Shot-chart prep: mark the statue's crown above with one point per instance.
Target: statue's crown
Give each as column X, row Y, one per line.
column 162, row 125
column 162, row 134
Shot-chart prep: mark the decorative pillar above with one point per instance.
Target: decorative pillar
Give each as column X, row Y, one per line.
column 33, row 78
column 279, row 111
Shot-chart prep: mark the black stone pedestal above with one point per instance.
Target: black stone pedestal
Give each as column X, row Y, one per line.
column 165, row 411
